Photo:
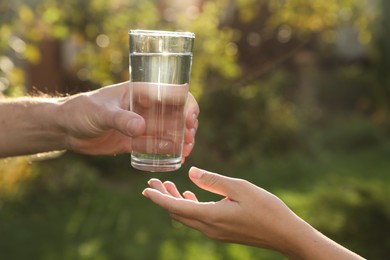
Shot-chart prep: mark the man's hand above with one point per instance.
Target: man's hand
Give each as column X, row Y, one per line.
column 100, row 122
column 95, row 122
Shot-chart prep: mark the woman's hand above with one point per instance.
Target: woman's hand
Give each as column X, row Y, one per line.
column 247, row 215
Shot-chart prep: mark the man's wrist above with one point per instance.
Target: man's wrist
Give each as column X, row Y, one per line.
column 49, row 116
column 30, row 125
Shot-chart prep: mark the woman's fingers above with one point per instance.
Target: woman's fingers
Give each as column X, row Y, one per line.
column 157, row 185
column 190, row 196
column 178, row 206
column 171, row 189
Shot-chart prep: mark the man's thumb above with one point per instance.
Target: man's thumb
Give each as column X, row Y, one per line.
column 214, row 182
column 129, row 123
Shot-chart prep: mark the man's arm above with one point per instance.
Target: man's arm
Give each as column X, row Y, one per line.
column 95, row 122
column 29, row 125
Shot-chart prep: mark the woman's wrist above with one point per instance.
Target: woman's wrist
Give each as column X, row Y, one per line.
column 300, row 239
column 288, row 234
column 305, row 242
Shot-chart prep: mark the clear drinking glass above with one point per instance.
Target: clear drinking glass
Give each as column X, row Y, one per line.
column 160, row 66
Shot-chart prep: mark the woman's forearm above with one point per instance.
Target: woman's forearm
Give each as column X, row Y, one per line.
column 308, row 243
column 29, row 125
column 247, row 215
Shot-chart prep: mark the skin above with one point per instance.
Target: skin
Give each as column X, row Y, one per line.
column 246, row 215
column 95, row 122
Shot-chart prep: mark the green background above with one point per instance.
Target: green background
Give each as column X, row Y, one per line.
column 294, row 97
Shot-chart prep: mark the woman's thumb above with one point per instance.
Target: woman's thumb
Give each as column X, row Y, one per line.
column 214, row 182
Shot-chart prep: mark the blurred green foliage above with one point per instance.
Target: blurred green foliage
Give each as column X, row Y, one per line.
column 283, row 104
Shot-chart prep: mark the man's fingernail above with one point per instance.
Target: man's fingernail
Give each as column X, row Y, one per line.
column 193, row 132
column 133, row 126
column 194, row 117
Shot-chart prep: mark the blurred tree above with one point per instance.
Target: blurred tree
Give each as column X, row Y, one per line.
column 383, row 55
column 91, row 43
column 266, row 106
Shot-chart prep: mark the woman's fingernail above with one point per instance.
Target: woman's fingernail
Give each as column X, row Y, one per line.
column 196, row 173
column 144, row 193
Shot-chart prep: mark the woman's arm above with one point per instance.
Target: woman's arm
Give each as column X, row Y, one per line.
column 247, row 215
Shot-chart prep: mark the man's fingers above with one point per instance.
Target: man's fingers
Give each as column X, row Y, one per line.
column 192, row 124
column 192, row 112
column 187, row 148
column 189, row 135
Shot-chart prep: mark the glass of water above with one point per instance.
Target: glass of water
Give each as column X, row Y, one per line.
column 160, row 66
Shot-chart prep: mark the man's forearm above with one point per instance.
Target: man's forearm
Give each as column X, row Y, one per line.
column 29, row 125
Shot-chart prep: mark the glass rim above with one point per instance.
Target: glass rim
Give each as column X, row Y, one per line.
column 162, row 33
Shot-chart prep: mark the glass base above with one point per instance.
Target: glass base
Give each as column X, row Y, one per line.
column 156, row 165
